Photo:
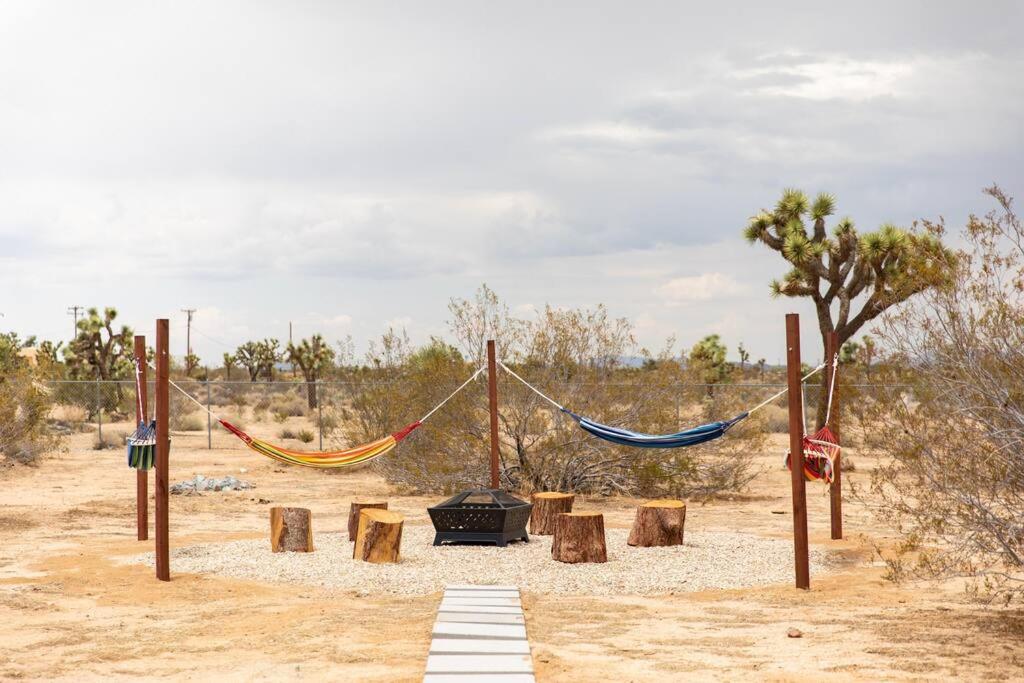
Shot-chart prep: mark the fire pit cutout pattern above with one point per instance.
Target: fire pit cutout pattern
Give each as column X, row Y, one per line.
column 481, row 516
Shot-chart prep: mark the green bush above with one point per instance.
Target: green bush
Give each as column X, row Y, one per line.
column 305, row 436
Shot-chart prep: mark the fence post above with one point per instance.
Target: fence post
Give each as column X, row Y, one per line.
column 209, row 419
column 163, row 448
column 492, row 400
column 99, row 414
column 320, row 413
column 796, row 452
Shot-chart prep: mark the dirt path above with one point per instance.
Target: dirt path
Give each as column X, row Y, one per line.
column 70, row 611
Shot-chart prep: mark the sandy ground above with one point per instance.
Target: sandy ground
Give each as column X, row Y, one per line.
column 72, row 609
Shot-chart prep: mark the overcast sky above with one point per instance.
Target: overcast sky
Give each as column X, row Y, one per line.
column 349, row 167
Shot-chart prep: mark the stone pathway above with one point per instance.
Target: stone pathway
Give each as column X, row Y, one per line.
column 479, row 635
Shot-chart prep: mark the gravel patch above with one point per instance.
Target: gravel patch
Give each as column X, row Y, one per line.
column 707, row 561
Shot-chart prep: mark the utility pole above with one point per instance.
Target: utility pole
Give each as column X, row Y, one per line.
column 188, row 334
column 73, row 310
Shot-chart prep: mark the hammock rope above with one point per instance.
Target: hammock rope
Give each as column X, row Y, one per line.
column 625, row 437
column 328, row 459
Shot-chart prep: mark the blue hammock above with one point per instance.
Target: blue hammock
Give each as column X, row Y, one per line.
column 624, row 437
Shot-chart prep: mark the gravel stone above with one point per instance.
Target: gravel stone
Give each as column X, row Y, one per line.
column 708, row 561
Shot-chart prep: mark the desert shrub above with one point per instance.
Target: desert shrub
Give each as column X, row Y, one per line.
column 24, row 407
column 288, row 406
column 109, row 441
column 306, row 436
column 776, row 419
column 955, row 484
column 287, row 433
column 262, row 403
column 572, row 355
column 190, row 422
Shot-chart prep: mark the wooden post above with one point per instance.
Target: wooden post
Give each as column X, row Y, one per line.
column 141, row 476
column 796, row 451
column 163, row 449
column 835, row 489
column 492, row 399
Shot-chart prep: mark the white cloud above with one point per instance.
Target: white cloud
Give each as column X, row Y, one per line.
column 704, row 287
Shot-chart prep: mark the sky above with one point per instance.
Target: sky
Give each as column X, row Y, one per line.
column 352, row 167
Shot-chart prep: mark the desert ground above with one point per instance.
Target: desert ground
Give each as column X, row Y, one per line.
column 78, row 603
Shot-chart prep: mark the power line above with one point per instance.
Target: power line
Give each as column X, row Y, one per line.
column 73, row 310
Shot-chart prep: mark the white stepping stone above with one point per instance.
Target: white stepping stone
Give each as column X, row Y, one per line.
column 498, row 602
column 479, row 664
column 480, row 609
column 491, row 646
column 482, row 594
column 477, row 618
column 479, row 678
column 464, row 630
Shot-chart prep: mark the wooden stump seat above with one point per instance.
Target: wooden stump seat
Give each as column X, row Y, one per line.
column 379, row 536
column 546, row 507
column 291, row 530
column 658, row 523
column 353, row 515
column 579, row 537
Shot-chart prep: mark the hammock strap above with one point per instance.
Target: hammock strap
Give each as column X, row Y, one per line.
column 803, row 379
column 138, row 388
column 537, row 391
column 831, row 387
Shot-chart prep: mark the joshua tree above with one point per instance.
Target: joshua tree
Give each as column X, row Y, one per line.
column 881, row 268
column 191, row 363
column 707, row 358
column 98, row 351
column 312, row 356
column 744, row 357
column 761, row 362
column 270, row 355
column 248, row 356
column 229, row 364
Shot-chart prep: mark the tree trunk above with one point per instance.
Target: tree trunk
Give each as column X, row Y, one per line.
column 546, row 508
column 353, row 515
column 379, row 537
column 658, row 522
column 579, row 537
column 291, row 530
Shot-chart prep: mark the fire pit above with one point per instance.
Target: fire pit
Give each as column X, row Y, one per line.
column 481, row 516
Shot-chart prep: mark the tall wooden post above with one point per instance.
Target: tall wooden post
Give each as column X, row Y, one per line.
column 141, row 476
column 492, row 399
column 796, row 452
column 835, row 489
column 163, row 449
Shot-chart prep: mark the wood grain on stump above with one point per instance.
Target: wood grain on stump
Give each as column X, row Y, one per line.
column 379, row 536
column 579, row 537
column 546, row 507
column 658, row 522
column 291, row 530
column 353, row 515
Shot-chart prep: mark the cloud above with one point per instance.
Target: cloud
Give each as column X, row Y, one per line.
column 704, row 287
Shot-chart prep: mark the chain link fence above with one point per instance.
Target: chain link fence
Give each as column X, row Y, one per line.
column 315, row 414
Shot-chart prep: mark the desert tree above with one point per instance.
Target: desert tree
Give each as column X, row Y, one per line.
column 744, row 358
column 248, row 356
column 761, row 362
column 955, row 483
column 313, row 357
column 846, row 269
column 100, row 351
column 707, row 363
column 229, row 364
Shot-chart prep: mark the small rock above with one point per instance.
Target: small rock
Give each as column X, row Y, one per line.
column 794, row 633
column 778, row 512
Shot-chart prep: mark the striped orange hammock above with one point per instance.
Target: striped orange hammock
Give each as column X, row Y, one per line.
column 328, row 459
column 323, row 459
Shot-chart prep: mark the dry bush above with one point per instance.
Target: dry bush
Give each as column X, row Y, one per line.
column 306, row 436
column 284, row 407
column 775, row 419
column 190, row 422
column 24, row 407
column 287, row 433
column 572, row 355
column 955, row 485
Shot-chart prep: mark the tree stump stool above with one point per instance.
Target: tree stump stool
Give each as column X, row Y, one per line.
column 353, row 515
column 658, row 522
column 579, row 537
column 546, row 507
column 379, row 536
column 291, row 530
